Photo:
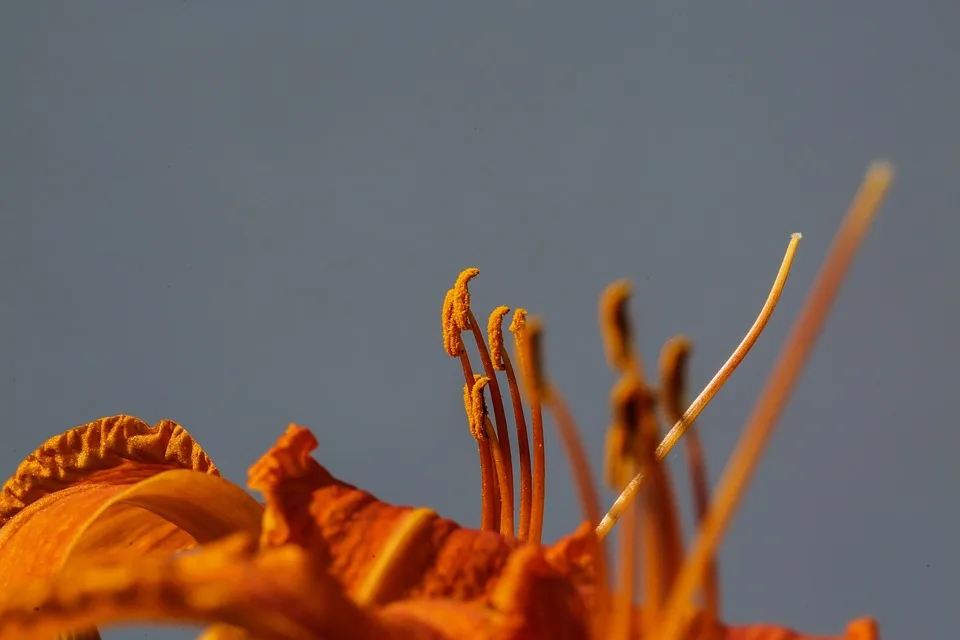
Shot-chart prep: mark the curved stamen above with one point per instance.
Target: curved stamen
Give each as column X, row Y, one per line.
column 668, row 442
column 673, row 384
column 501, row 444
column 538, row 490
column 453, row 345
column 636, row 431
column 482, row 429
column 463, row 316
column 779, row 386
column 538, row 387
column 501, row 362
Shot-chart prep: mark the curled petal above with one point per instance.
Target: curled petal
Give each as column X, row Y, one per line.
column 107, row 449
column 202, row 506
column 105, row 487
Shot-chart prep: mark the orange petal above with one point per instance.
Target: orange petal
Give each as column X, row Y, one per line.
column 769, row 632
column 224, row 632
column 277, row 593
column 530, row 601
column 203, row 506
column 64, row 487
column 349, row 528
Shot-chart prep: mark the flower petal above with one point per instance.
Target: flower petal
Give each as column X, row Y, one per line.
column 56, row 490
column 203, row 506
column 103, row 445
column 277, row 593
column 350, row 529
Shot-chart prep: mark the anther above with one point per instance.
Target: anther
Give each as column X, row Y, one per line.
column 615, row 325
column 461, row 298
column 495, row 336
column 451, row 334
column 475, row 406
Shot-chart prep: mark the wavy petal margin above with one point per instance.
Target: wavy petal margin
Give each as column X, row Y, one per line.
column 355, row 532
column 116, row 485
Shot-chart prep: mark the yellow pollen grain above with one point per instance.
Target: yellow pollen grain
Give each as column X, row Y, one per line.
column 615, row 324
column 495, row 336
column 461, row 298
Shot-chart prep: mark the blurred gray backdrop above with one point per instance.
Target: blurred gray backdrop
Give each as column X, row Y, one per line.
column 242, row 214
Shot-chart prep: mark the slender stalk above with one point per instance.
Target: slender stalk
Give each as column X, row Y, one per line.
column 702, row 400
column 501, row 444
column 773, row 398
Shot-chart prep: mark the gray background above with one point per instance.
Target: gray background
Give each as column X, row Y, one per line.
column 238, row 215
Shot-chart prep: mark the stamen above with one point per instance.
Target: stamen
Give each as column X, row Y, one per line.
column 495, row 336
column 501, row 361
column 615, row 326
column 538, row 387
column 634, row 416
column 501, row 444
column 773, row 398
column 465, row 320
column 622, row 624
column 461, row 298
column 621, row 463
column 506, row 509
column 451, row 334
column 538, row 490
column 453, row 345
column 636, row 422
column 702, row 400
column 474, row 406
column 628, row 399
column 674, row 358
column 482, row 429
column 376, row 588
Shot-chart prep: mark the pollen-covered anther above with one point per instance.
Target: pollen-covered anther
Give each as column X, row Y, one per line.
column 615, row 325
column 495, row 336
column 476, row 406
column 518, row 327
column 461, row 298
column 452, row 343
column 531, row 356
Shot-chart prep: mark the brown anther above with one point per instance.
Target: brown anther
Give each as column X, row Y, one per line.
column 461, row 298
column 452, row 343
column 615, row 325
column 673, row 376
column 630, row 402
column 495, row 336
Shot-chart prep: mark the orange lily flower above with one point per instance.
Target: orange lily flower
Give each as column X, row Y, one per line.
column 324, row 559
